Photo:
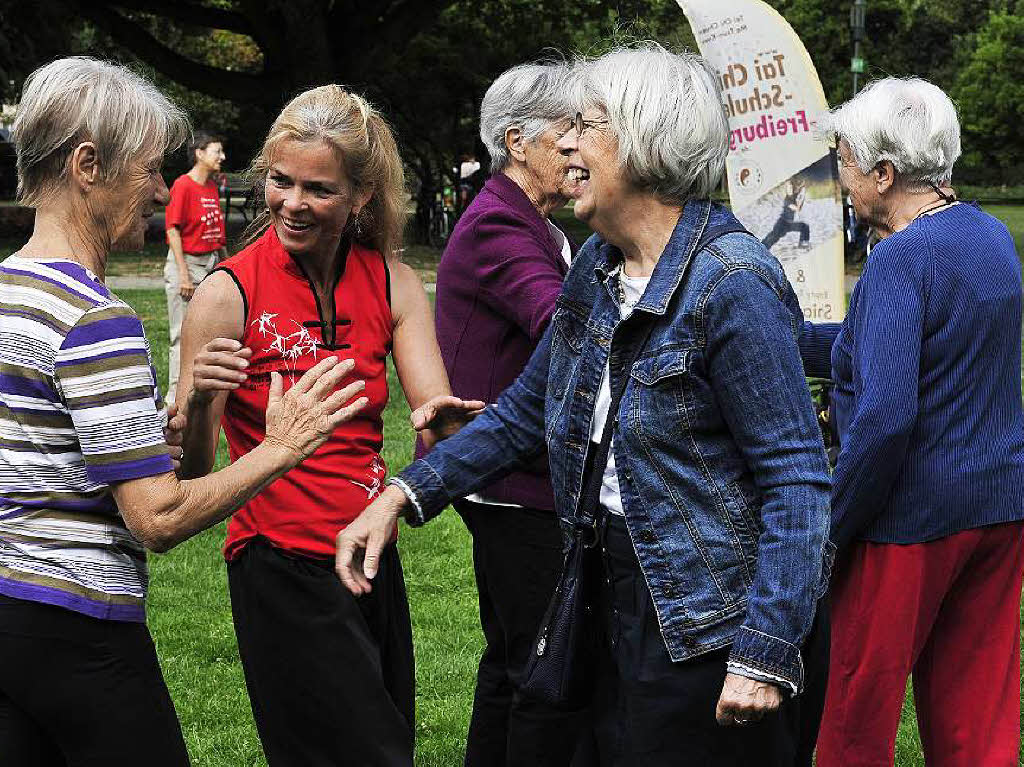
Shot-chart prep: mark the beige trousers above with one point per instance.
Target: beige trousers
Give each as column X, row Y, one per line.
column 198, row 267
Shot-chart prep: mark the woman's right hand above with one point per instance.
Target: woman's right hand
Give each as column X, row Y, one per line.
column 302, row 418
column 186, row 289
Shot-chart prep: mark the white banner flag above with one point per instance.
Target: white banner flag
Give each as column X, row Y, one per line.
column 783, row 183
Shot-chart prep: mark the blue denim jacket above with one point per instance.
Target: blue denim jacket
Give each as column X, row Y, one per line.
column 724, row 480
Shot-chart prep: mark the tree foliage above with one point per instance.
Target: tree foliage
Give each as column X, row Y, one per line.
column 427, row 63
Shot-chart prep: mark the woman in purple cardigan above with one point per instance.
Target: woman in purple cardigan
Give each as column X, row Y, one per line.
column 496, row 288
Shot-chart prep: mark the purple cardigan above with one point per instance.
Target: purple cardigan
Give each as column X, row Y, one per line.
column 497, row 283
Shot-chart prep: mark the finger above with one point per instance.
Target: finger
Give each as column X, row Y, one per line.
column 223, row 359
column 422, row 416
column 331, row 379
column 225, row 345
column 347, row 413
column 345, row 568
column 474, row 405
column 172, row 410
column 310, row 376
column 371, row 559
column 723, row 713
column 276, row 388
column 342, row 396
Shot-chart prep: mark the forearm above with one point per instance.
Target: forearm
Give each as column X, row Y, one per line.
column 173, row 511
column 202, row 429
column 174, row 241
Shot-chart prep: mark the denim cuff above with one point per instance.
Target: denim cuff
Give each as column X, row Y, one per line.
column 769, row 655
column 425, row 490
column 752, row 673
column 414, row 514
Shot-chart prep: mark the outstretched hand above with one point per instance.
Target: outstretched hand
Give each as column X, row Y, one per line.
column 358, row 546
column 443, row 416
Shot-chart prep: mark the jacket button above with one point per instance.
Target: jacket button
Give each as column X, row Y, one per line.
column 668, row 590
column 646, row 536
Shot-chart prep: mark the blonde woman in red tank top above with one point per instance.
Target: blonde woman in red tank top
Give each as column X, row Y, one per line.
column 330, row 677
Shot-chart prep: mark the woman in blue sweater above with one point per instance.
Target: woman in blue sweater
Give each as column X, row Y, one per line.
column 928, row 492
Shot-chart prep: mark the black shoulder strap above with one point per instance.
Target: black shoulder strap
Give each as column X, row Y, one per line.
column 587, row 507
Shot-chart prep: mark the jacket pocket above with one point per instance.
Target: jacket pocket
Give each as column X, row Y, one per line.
column 662, row 365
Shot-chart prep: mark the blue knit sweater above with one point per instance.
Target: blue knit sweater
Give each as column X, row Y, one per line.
column 927, row 370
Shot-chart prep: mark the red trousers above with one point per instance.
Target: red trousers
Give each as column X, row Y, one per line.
column 947, row 612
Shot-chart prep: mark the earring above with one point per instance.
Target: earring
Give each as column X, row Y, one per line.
column 359, row 228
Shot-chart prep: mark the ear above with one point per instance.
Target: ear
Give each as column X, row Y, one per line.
column 515, row 143
column 360, row 198
column 884, row 176
column 84, row 168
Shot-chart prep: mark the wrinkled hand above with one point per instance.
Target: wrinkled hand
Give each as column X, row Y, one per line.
column 174, row 434
column 186, row 289
column 443, row 416
column 745, row 701
column 302, row 418
column 358, row 546
column 219, row 366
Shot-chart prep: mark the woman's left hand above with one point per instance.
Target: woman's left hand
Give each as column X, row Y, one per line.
column 745, row 701
column 174, row 433
column 443, row 416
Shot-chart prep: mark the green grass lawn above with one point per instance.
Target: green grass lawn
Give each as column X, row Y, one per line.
column 190, row 616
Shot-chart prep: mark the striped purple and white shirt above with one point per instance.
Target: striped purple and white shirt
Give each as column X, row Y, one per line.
column 79, row 411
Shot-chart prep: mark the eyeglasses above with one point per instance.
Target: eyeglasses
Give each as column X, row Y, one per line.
column 581, row 125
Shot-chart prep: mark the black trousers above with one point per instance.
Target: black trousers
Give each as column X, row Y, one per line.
column 650, row 711
column 517, row 558
column 782, row 227
column 330, row 676
column 77, row 691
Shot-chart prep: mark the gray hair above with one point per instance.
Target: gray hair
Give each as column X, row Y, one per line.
column 666, row 111
column 530, row 97
column 78, row 99
column 909, row 122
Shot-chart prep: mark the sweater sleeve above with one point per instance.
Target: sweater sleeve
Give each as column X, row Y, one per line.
column 887, row 331
column 816, row 340
column 518, row 278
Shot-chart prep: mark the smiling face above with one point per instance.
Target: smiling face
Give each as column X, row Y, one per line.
column 310, row 197
column 211, row 156
column 547, row 166
column 595, row 179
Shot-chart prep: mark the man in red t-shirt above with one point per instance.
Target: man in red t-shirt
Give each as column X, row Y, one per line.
column 195, row 236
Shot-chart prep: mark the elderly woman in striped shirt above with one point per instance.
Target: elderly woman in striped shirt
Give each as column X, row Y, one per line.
column 87, row 479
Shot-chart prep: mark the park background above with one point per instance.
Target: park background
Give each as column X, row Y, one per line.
column 231, row 64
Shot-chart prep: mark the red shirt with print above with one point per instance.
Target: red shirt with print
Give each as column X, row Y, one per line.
column 194, row 210
column 289, row 332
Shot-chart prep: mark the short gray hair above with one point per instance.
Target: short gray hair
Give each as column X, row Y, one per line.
column 78, row 99
column 531, row 97
column 909, row 122
column 666, row 110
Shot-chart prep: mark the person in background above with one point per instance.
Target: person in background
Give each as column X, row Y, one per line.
column 792, row 203
column 928, row 499
column 712, row 541
column 196, row 238
column 497, row 282
column 87, row 480
column 330, row 678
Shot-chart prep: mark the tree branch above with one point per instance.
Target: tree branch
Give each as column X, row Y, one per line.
column 265, row 89
column 190, row 13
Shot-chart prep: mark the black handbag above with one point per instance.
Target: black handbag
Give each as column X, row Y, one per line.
column 559, row 670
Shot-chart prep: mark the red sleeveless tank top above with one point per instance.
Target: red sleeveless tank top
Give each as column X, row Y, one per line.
column 289, row 332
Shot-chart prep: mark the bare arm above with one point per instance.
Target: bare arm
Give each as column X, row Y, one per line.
column 162, row 512
column 436, row 413
column 185, row 286
column 210, row 348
